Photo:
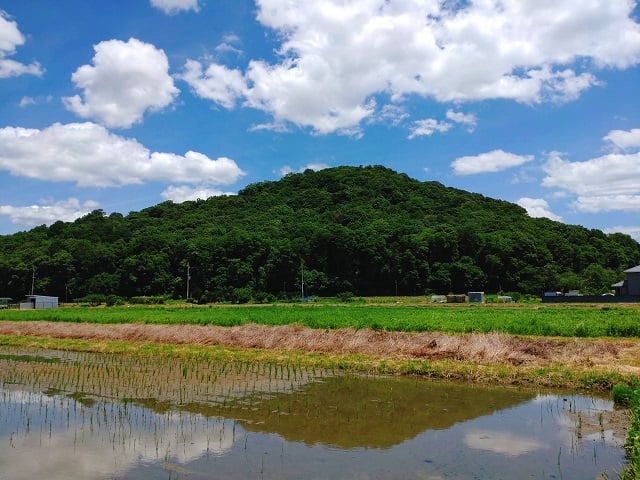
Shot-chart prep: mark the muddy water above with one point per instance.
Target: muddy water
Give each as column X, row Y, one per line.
column 87, row 416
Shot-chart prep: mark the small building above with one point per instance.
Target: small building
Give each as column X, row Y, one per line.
column 34, row 302
column 456, row 298
column 476, row 297
column 631, row 286
column 625, row 291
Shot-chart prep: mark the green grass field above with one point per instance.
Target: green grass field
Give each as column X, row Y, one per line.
column 538, row 320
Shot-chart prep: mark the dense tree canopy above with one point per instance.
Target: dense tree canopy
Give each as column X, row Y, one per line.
column 365, row 230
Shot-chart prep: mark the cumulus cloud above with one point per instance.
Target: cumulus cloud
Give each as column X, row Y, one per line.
column 91, row 156
column 171, row 7
column 126, row 80
column 48, row 212
column 428, row 127
column 286, row 170
column 624, row 139
column 10, row 39
column 632, row 231
column 538, row 207
column 607, row 183
column 217, row 83
column 183, row 193
column 340, row 62
column 467, row 119
column 490, row 162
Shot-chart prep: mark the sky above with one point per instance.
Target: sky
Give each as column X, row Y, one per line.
column 122, row 104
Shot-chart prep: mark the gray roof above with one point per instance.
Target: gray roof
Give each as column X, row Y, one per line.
column 618, row 285
column 633, row 270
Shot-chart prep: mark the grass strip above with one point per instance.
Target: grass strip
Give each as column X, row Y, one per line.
column 532, row 320
column 632, row 445
column 487, row 374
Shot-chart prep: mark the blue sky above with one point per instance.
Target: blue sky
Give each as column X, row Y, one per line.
column 123, row 104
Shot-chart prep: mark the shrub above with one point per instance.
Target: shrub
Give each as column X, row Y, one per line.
column 114, row 300
column 345, row 297
column 241, row 295
column 93, row 299
column 622, row 394
column 156, row 300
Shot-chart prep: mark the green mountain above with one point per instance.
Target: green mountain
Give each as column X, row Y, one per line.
column 367, row 230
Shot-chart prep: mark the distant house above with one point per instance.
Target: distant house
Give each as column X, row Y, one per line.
column 39, row 301
column 631, row 286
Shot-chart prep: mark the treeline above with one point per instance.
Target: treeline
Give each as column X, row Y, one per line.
column 367, row 230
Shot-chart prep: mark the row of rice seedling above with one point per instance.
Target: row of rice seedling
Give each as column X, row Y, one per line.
column 165, row 379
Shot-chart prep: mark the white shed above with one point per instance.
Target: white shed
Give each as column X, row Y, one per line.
column 39, row 301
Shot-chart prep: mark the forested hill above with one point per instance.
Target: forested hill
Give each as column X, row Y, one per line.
column 365, row 230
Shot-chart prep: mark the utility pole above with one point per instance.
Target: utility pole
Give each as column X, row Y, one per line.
column 302, row 280
column 188, row 279
column 33, row 279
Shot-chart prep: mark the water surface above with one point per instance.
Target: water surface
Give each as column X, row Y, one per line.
column 89, row 416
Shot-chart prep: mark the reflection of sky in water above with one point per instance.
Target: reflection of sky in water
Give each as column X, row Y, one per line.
column 57, row 437
column 505, row 443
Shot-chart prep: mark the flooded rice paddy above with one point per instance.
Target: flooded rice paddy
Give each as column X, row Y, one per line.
column 66, row 415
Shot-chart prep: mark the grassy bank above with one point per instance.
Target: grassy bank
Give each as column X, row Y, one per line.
column 556, row 376
column 631, row 398
column 536, row 320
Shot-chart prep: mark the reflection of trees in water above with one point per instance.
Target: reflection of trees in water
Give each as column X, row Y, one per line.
column 354, row 411
column 298, row 403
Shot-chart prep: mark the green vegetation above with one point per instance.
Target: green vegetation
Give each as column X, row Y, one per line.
column 450, row 370
column 535, row 320
column 367, row 231
column 627, row 396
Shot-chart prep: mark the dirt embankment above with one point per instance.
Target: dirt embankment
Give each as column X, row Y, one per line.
column 614, row 355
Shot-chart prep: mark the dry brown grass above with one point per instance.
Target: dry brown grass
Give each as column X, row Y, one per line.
column 614, row 355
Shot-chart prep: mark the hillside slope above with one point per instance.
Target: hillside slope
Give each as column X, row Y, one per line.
column 366, row 230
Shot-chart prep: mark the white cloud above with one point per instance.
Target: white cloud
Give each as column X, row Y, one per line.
column 10, row 39
column 171, row 7
column 490, row 162
column 48, row 212
column 390, row 114
column 91, row 156
column 286, row 170
column 633, row 232
column 183, row 193
column 340, row 61
column 608, row 203
column 467, row 119
column 428, row 127
column 218, row 83
column 126, row 80
column 538, row 207
column 607, row 183
column 624, row 139
column 26, row 100
column 228, row 44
